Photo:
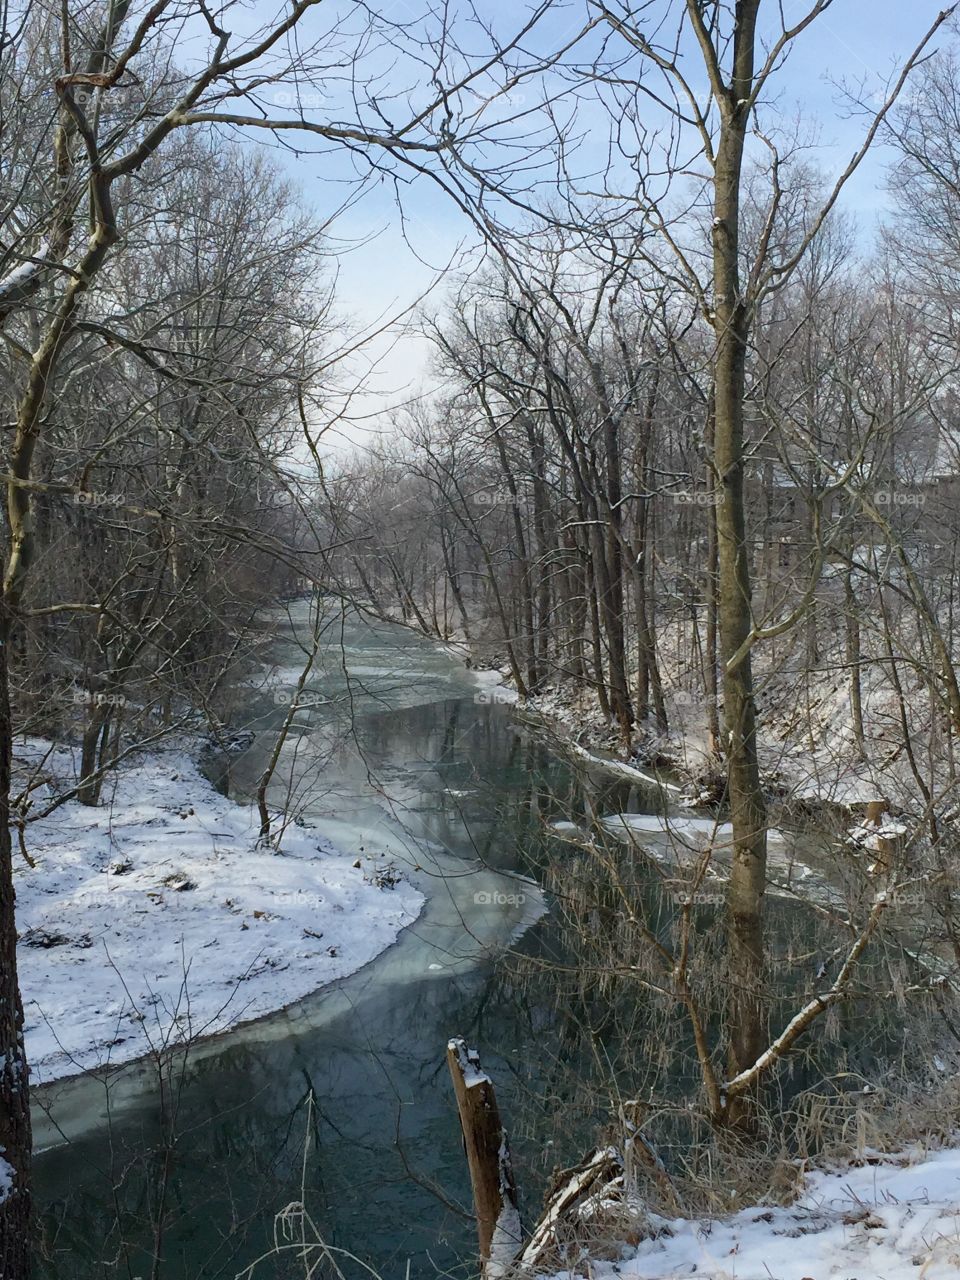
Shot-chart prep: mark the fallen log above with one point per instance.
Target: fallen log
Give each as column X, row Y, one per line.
column 600, row 1175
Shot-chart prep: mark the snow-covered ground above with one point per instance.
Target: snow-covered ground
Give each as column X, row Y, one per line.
column 157, row 916
column 892, row 1218
column 629, row 772
column 806, row 741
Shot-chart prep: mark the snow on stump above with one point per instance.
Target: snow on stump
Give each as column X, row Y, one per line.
column 884, row 837
column 587, row 1209
column 488, row 1159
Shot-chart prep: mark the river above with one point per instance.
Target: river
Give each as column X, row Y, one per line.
column 396, row 752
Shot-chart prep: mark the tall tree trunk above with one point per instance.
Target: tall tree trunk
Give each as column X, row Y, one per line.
column 747, row 1021
column 613, row 599
column 852, row 656
column 576, row 592
column 89, row 790
column 596, row 639
column 15, row 1133
column 545, row 540
column 711, row 684
column 525, row 626
column 648, row 672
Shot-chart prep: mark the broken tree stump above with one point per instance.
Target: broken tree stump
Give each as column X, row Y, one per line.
column 598, row 1178
column 488, row 1160
column 887, row 841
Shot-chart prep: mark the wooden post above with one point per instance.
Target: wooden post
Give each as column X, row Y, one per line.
column 488, row 1159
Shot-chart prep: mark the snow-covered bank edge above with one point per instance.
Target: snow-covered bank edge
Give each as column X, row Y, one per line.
column 615, row 768
column 894, row 1217
column 884, row 1215
column 680, row 762
column 555, row 721
column 159, row 918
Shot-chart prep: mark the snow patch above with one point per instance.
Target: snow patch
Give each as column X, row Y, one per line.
column 620, row 769
column 25, row 271
column 160, row 916
column 894, row 1217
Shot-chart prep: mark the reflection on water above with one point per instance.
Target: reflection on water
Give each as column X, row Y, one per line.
column 403, row 759
column 458, row 796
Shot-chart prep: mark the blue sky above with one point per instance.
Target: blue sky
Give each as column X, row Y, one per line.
column 857, row 42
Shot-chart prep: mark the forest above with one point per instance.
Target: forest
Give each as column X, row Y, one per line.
column 561, row 604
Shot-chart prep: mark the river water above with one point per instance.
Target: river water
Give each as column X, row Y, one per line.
column 395, row 752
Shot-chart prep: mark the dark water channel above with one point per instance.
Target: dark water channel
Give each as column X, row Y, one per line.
column 400, row 754
column 395, row 753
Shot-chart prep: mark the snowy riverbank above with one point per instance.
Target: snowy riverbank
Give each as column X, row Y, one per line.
column 888, row 1216
column 157, row 917
column 891, row 1217
column 814, row 773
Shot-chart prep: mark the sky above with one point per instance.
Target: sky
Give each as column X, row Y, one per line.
column 385, row 262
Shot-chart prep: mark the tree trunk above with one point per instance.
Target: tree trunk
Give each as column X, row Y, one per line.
column 15, row 1133
column 852, row 655
column 88, row 792
column 613, row 600
column 649, row 683
column 711, row 683
column 747, row 1022
column 596, row 640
